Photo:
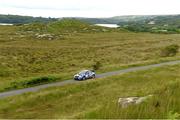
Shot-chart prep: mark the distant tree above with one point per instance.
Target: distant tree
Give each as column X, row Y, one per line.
column 16, row 19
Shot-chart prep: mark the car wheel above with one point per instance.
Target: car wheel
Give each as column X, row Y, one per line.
column 93, row 76
column 83, row 78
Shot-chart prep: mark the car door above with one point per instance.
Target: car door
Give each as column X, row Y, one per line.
column 87, row 74
column 90, row 74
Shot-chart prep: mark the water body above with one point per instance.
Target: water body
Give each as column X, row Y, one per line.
column 5, row 24
column 108, row 25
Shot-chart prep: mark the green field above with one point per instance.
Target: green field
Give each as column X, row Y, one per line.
column 98, row 98
column 39, row 53
column 73, row 46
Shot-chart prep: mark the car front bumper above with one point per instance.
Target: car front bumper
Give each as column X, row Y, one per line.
column 77, row 78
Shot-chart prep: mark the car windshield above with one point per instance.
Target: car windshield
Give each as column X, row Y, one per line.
column 82, row 72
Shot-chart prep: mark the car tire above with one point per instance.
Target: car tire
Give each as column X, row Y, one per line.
column 93, row 76
column 83, row 78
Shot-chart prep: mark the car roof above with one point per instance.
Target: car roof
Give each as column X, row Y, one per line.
column 85, row 70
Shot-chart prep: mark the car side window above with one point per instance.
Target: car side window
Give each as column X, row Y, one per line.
column 87, row 73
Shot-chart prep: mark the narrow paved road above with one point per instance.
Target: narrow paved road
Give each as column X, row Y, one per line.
column 36, row 88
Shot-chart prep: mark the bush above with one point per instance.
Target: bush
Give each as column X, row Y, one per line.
column 173, row 115
column 97, row 65
column 31, row 82
column 170, row 50
column 37, row 81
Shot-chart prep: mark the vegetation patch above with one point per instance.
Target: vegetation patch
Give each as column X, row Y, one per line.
column 97, row 65
column 32, row 82
column 4, row 72
column 170, row 50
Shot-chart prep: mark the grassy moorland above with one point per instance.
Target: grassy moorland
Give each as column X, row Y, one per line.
column 55, row 51
column 98, row 98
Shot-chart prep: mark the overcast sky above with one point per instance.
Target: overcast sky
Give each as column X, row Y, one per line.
column 88, row 8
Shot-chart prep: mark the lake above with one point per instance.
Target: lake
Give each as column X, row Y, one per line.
column 5, row 24
column 108, row 25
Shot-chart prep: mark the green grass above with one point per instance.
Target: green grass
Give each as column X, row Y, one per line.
column 98, row 98
column 23, row 56
column 31, row 82
column 26, row 61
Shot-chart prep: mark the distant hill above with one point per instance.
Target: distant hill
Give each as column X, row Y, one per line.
column 136, row 23
column 142, row 23
column 64, row 26
column 110, row 20
column 113, row 20
column 17, row 19
column 154, row 24
column 68, row 25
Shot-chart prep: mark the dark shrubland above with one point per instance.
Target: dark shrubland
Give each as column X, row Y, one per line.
column 97, row 65
column 31, row 82
column 170, row 50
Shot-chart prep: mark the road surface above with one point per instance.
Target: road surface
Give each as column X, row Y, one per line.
column 66, row 82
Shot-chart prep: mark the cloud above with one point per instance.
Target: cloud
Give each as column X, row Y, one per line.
column 88, row 8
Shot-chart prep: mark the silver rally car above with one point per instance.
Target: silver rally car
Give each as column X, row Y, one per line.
column 85, row 74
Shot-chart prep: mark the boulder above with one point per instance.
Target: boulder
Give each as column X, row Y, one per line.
column 125, row 102
column 45, row 36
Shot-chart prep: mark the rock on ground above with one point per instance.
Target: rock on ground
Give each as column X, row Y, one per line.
column 125, row 102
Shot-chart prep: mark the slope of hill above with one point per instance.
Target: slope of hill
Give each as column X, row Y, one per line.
column 33, row 54
column 17, row 19
column 142, row 23
column 28, row 56
column 72, row 25
column 64, row 26
column 155, row 24
column 136, row 23
column 114, row 20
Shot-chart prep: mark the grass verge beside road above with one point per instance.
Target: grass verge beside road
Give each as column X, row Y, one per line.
column 98, row 98
column 31, row 82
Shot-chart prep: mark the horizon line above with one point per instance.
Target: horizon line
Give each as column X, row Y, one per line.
column 96, row 17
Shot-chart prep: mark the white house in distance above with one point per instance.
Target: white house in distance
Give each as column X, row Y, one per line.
column 151, row 23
